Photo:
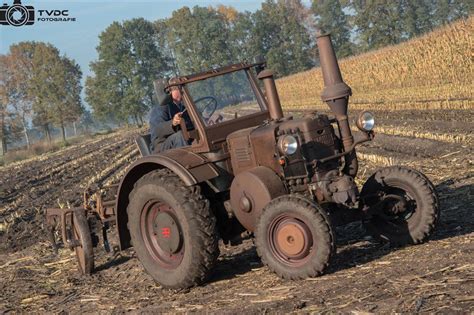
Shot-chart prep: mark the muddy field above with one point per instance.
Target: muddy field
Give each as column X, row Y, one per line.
column 365, row 276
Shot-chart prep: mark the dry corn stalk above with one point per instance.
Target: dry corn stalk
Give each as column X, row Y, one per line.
column 436, row 66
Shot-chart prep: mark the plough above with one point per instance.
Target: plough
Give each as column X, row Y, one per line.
column 79, row 225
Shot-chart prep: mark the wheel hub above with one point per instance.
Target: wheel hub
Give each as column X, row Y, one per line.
column 395, row 204
column 167, row 232
column 162, row 234
column 293, row 238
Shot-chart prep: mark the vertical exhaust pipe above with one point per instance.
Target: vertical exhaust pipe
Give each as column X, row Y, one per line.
column 273, row 100
column 336, row 95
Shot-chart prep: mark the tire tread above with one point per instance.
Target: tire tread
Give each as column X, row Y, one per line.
column 430, row 200
column 322, row 220
column 197, row 208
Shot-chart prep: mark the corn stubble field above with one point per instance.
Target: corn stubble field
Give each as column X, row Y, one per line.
column 421, row 94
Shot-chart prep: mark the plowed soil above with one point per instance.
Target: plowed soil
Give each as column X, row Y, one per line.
column 365, row 276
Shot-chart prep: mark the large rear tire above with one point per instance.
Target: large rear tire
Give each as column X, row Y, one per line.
column 407, row 205
column 294, row 237
column 172, row 229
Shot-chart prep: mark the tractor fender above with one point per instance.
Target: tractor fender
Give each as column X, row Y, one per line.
column 192, row 168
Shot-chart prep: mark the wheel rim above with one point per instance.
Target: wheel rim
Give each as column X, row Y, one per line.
column 291, row 240
column 79, row 233
column 162, row 234
column 398, row 205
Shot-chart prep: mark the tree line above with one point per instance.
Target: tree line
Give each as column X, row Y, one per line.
column 39, row 87
column 38, row 84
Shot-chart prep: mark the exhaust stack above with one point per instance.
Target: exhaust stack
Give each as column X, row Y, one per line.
column 274, row 105
column 336, row 94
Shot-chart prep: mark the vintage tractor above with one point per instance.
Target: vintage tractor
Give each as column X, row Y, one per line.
column 288, row 182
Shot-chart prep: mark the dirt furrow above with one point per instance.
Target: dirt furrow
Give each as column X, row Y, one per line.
column 49, row 174
column 60, row 154
column 62, row 184
column 36, row 171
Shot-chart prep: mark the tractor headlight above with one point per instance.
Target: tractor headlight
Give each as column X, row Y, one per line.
column 366, row 121
column 287, row 145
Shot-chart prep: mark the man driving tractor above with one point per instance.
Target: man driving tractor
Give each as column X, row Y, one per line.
column 165, row 123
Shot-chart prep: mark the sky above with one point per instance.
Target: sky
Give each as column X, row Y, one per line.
column 79, row 39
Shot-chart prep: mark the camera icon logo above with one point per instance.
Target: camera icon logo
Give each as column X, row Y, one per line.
column 17, row 14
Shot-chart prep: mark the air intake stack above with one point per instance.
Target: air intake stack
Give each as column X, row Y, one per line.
column 274, row 105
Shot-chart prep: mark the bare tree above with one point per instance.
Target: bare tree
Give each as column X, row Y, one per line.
column 19, row 70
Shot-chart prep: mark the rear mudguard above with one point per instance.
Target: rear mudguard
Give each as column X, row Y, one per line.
column 191, row 167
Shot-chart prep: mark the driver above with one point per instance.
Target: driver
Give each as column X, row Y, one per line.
column 165, row 120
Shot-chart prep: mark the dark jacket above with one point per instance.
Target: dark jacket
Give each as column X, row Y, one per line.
column 161, row 120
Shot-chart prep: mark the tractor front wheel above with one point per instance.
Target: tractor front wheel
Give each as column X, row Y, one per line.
column 172, row 229
column 294, row 237
column 403, row 205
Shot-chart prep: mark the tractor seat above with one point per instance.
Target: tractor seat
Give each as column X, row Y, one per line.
column 143, row 142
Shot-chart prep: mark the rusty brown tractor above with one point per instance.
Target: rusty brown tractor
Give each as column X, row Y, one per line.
column 288, row 182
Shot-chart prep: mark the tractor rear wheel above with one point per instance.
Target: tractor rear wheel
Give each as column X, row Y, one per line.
column 406, row 205
column 172, row 229
column 294, row 237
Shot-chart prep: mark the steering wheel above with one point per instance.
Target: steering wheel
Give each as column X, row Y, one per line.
column 209, row 105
